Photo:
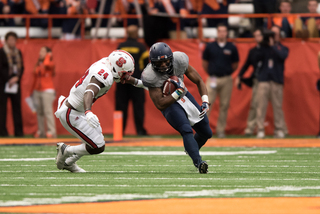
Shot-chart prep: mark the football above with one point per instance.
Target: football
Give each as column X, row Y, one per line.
column 168, row 87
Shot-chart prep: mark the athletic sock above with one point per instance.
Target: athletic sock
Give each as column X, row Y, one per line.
column 191, row 147
column 71, row 160
column 79, row 150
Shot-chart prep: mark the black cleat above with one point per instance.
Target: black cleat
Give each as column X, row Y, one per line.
column 203, row 167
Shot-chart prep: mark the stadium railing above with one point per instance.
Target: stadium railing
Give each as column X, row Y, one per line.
column 82, row 17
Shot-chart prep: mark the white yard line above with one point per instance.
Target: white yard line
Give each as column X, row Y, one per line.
column 183, row 153
column 122, row 185
column 165, row 153
column 27, row 159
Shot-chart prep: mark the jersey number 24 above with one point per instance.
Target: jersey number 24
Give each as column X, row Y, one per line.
column 101, row 72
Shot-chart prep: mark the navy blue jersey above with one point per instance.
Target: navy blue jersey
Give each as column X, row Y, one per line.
column 220, row 58
column 273, row 63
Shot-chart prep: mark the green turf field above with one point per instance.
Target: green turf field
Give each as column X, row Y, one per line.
column 28, row 174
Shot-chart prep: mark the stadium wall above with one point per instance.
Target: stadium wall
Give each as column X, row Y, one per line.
column 72, row 58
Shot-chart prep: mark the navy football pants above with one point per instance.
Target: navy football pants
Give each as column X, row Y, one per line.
column 177, row 118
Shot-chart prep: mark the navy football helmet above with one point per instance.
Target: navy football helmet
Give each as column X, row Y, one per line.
column 161, row 58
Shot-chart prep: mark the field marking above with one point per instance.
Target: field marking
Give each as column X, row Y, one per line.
column 123, row 185
column 119, row 178
column 166, row 194
column 27, row 159
column 165, row 153
column 224, row 179
column 175, row 153
column 232, row 192
column 212, row 171
column 151, row 142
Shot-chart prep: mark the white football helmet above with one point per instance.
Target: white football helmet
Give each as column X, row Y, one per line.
column 121, row 62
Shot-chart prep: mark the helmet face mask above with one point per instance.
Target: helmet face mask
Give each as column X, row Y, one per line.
column 117, row 76
column 162, row 66
column 161, row 58
column 122, row 62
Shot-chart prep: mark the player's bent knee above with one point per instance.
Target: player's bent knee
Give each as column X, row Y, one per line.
column 185, row 129
column 94, row 151
column 208, row 133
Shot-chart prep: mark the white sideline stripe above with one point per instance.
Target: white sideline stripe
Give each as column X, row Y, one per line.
column 27, row 159
column 154, row 153
column 112, row 171
column 183, row 153
column 224, row 179
column 166, row 194
column 117, row 185
column 196, row 179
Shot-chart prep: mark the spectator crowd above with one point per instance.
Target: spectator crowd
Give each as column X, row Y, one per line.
column 166, row 11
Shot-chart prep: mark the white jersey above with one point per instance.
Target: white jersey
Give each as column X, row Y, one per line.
column 101, row 70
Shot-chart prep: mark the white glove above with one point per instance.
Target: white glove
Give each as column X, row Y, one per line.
column 92, row 119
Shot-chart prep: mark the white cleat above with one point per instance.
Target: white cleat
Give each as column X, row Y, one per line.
column 73, row 168
column 61, row 155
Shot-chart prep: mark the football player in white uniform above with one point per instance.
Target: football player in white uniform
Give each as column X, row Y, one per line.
column 74, row 111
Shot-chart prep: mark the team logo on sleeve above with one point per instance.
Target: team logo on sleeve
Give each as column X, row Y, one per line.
column 120, row 62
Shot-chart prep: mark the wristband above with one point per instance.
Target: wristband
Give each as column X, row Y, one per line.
column 180, row 91
column 205, row 98
column 87, row 111
column 175, row 95
column 139, row 84
column 135, row 82
column 94, row 84
column 90, row 91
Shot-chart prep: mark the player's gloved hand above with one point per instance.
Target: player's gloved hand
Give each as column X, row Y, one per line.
column 125, row 78
column 180, row 86
column 204, row 109
column 92, row 119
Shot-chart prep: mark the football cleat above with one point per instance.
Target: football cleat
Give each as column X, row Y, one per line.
column 61, row 155
column 73, row 168
column 203, row 167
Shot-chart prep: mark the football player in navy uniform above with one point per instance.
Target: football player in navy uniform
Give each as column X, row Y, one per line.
column 180, row 108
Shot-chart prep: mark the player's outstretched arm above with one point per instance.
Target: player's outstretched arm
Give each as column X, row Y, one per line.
column 91, row 91
column 195, row 77
column 159, row 100
column 127, row 79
